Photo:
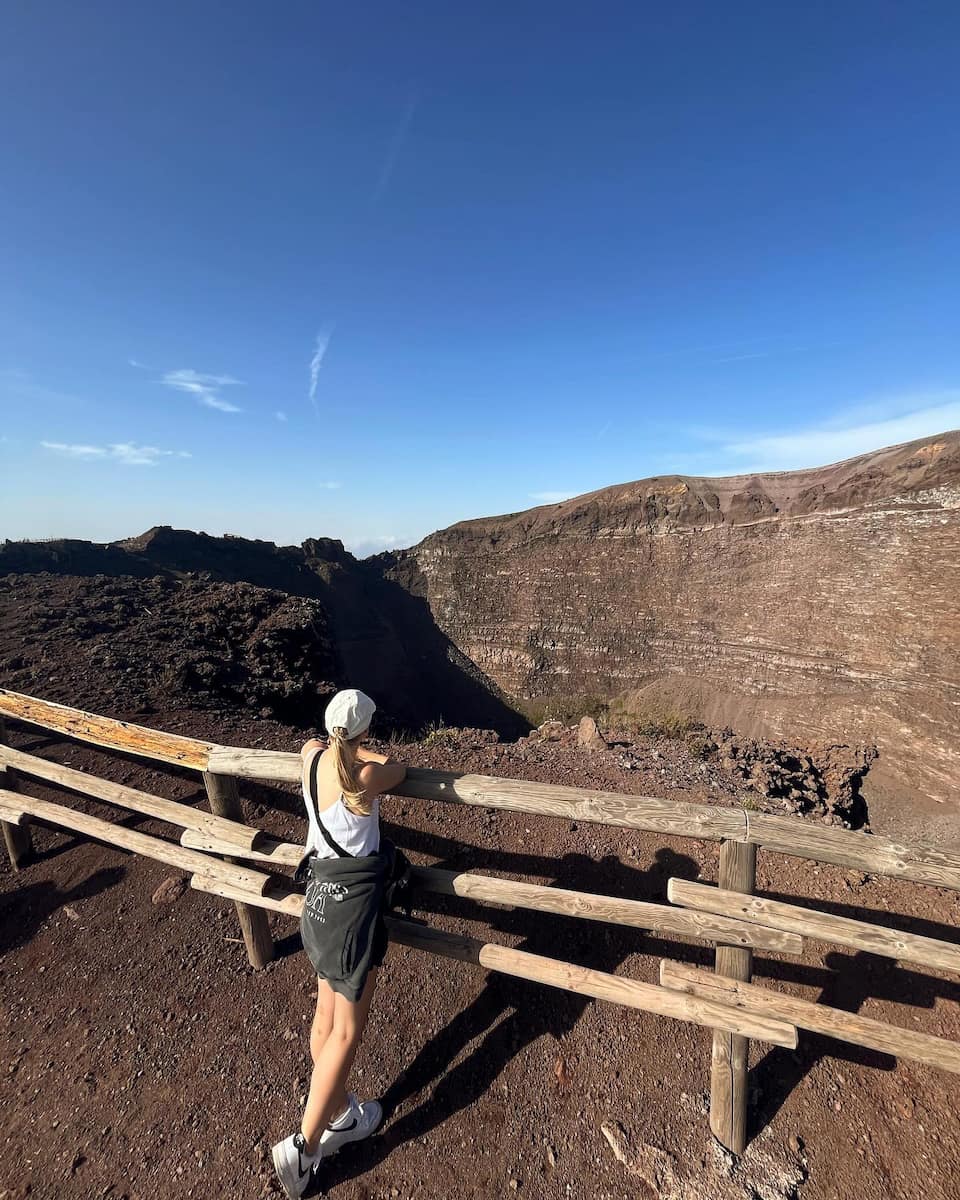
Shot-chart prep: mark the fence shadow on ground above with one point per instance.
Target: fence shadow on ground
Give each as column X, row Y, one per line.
column 24, row 910
column 509, row 1014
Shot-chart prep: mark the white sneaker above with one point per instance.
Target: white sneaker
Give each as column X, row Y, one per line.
column 359, row 1121
column 294, row 1164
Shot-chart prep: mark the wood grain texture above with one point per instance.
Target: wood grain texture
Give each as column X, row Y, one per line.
column 818, row 1018
column 141, row 843
column 515, row 795
column 277, row 897
column 938, row 866
column 630, row 992
column 269, row 850
column 922, row 863
column 640, row 914
column 104, row 731
column 728, row 1069
column 10, row 812
column 227, row 832
column 822, row 927
column 279, row 766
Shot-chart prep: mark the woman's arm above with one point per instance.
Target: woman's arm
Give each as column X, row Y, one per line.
column 364, row 755
column 378, row 772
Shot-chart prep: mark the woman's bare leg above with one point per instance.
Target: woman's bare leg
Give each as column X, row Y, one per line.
column 322, row 1018
column 328, row 1095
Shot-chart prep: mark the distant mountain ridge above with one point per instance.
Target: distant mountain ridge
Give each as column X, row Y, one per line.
column 689, row 501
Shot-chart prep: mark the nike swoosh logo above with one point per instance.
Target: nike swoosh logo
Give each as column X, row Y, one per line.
column 344, row 1128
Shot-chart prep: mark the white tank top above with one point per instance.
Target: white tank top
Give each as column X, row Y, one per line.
column 358, row 835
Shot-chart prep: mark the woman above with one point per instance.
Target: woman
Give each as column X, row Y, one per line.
column 347, row 874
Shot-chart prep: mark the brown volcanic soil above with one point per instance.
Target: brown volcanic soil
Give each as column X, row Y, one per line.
column 142, row 1057
column 164, row 644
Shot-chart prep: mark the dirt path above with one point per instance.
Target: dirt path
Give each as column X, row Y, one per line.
column 142, row 1058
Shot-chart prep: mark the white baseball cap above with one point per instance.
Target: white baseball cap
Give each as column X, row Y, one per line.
column 350, row 710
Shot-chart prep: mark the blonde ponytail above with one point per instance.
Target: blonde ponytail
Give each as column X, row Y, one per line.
column 346, row 761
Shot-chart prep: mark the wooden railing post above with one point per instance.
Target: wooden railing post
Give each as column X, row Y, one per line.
column 225, row 802
column 16, row 837
column 728, row 1070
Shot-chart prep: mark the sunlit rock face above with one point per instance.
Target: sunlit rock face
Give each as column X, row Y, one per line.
column 811, row 604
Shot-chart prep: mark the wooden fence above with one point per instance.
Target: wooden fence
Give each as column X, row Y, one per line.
column 229, row 858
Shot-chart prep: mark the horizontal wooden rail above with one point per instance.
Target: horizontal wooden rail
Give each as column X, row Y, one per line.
column 570, row 978
column 10, row 812
column 231, row 834
column 171, row 748
column 922, row 863
column 632, row 993
column 268, row 850
column 822, row 927
column 277, row 896
column 640, row 914
column 130, row 839
column 818, row 1018
column 516, row 795
column 275, row 766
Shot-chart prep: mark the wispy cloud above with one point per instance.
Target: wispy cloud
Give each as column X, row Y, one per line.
column 395, row 149
column 76, row 450
column 319, row 352
column 211, row 400
column 329, row 485
column 887, row 422
column 551, row 497
column 281, row 416
column 128, row 453
column 205, row 388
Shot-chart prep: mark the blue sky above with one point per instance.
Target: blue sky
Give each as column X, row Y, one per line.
column 308, row 269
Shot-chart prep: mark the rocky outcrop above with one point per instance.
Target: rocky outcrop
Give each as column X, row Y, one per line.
column 823, row 781
column 818, row 605
column 190, row 619
column 125, row 644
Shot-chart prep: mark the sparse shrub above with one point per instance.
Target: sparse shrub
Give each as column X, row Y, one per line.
column 651, row 720
column 700, row 746
column 438, row 736
column 568, row 709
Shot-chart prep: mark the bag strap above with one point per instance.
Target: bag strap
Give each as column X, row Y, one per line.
column 324, row 832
